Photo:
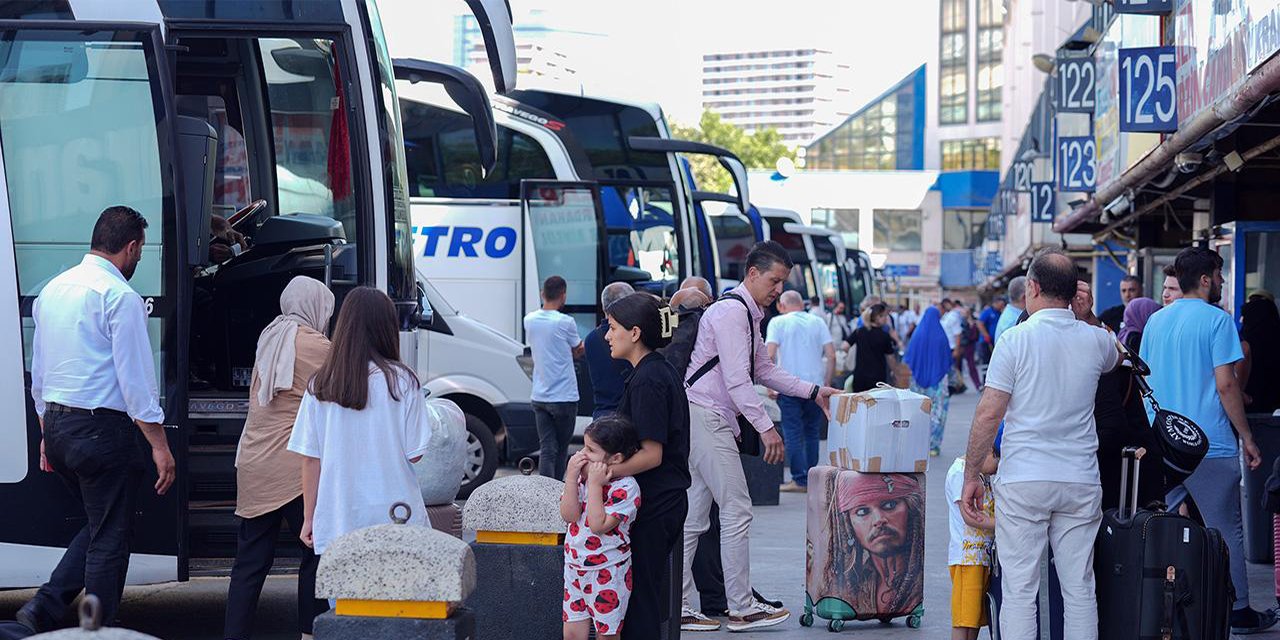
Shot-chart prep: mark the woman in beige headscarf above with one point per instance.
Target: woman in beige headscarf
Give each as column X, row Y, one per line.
column 268, row 475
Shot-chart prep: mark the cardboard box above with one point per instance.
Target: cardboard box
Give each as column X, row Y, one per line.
column 885, row 430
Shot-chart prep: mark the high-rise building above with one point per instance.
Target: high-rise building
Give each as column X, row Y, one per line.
column 885, row 135
column 800, row 92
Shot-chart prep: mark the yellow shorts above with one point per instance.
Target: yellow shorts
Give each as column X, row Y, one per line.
column 969, row 595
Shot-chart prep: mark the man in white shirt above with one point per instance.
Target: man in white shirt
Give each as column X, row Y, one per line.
column 553, row 338
column 94, row 387
column 952, row 322
column 906, row 320
column 1042, row 382
column 801, row 344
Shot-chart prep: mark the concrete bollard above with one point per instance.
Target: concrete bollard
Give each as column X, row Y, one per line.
column 519, row 551
column 396, row 581
column 91, row 627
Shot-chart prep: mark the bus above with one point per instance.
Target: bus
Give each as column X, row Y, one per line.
column 584, row 187
column 279, row 116
column 823, row 265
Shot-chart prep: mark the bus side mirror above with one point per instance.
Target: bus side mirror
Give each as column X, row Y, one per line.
column 465, row 90
column 197, row 147
column 425, row 314
column 628, row 274
column 494, row 19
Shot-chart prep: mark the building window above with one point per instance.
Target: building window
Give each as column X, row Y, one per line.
column 972, row 154
column 880, row 138
column 897, row 229
column 953, row 63
column 990, row 70
column 844, row 221
column 964, row 229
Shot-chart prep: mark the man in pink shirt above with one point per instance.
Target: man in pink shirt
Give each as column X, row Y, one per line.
column 727, row 343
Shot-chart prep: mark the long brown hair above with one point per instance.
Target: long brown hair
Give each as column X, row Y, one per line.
column 367, row 332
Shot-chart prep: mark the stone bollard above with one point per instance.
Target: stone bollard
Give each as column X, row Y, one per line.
column 91, row 627
column 396, row 581
column 519, row 552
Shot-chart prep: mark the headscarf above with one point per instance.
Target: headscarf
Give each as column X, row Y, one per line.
column 870, row 488
column 1136, row 314
column 305, row 301
column 929, row 352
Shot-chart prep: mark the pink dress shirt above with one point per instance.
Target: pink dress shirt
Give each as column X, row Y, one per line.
column 727, row 389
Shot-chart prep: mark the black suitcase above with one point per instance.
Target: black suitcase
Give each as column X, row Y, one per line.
column 1159, row 575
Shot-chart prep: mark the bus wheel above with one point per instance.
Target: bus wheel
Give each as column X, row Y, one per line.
column 481, row 456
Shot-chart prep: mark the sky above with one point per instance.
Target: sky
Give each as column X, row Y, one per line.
column 651, row 50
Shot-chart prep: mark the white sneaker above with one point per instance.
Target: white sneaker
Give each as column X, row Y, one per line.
column 759, row 616
column 692, row 620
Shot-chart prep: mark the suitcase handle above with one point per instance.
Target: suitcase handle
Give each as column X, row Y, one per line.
column 1130, row 460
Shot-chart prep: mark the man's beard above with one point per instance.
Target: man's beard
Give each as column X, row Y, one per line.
column 128, row 271
column 1215, row 293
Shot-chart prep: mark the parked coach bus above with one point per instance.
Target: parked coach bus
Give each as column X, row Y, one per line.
column 280, row 116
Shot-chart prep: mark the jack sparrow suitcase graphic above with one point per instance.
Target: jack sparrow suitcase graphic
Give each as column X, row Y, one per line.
column 865, row 547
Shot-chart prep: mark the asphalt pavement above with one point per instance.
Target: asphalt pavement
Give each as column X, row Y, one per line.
column 194, row 610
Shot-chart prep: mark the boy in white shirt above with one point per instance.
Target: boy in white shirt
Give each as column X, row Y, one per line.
column 969, row 553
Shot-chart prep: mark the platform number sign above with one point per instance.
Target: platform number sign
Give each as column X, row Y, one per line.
column 1077, row 84
column 1022, row 176
column 1144, row 6
column 1076, row 166
column 1042, row 202
column 1148, row 89
column 1007, row 202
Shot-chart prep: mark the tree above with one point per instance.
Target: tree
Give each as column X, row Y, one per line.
column 758, row 150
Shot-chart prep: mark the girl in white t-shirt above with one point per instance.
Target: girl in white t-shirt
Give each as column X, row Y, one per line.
column 362, row 423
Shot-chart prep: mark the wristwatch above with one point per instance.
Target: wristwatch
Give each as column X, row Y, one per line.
column 813, row 395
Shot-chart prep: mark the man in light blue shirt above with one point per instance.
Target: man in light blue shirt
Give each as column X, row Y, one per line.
column 554, row 342
column 1191, row 347
column 1012, row 311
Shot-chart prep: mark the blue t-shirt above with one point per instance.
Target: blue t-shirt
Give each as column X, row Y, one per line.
column 1183, row 343
column 990, row 317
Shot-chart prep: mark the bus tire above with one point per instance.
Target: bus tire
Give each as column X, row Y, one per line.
column 482, row 456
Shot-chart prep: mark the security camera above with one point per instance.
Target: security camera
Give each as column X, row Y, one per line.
column 1188, row 162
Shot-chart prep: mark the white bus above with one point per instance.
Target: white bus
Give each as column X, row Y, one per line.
column 279, row 115
column 586, row 188
column 822, row 262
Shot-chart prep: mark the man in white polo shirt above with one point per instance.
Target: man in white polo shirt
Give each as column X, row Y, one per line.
column 1042, row 382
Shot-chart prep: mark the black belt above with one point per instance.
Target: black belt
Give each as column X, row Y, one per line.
column 54, row 407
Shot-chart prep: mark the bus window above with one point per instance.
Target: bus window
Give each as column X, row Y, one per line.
column 642, row 231
column 734, row 239
column 565, row 227
column 444, row 162
column 78, row 115
column 310, row 135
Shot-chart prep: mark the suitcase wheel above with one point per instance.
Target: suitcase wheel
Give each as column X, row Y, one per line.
column 835, row 626
column 886, row 620
column 806, row 620
column 913, row 621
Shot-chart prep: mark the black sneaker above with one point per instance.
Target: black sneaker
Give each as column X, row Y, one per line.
column 776, row 604
column 1249, row 621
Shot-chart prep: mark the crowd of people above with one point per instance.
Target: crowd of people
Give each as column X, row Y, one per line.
column 681, row 387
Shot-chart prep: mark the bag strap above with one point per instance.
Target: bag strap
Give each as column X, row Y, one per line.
column 715, row 360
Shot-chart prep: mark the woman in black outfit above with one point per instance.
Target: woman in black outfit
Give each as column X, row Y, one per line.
column 874, row 346
column 1121, row 419
column 655, row 402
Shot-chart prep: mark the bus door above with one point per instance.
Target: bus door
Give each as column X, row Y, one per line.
column 87, row 121
column 565, row 222
column 645, row 238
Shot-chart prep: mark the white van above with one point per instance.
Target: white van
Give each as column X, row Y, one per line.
column 281, row 116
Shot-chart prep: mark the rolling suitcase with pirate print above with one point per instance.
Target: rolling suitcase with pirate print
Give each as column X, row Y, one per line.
column 864, row 556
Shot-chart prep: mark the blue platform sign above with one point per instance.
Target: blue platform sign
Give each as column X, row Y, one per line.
column 1077, row 84
column 1144, row 6
column 1148, row 90
column 1077, row 164
column 1043, row 202
column 1021, row 176
column 902, row 270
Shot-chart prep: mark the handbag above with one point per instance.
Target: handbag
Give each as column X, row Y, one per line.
column 1183, row 443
